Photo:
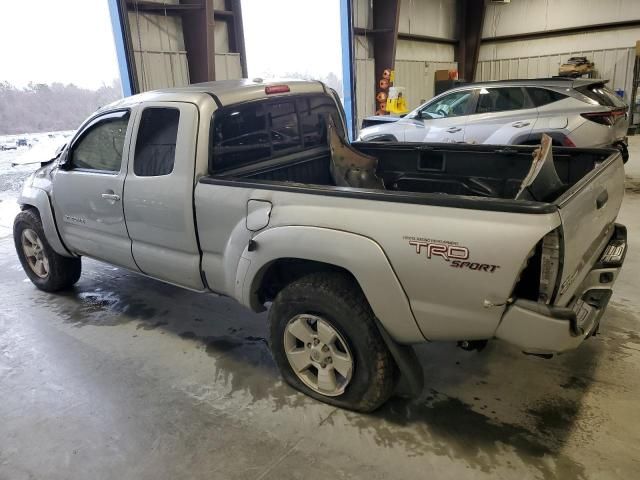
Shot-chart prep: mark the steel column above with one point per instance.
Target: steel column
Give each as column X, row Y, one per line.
column 348, row 65
column 470, row 17
column 119, row 27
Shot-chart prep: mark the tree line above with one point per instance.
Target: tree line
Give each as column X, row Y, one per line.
column 43, row 107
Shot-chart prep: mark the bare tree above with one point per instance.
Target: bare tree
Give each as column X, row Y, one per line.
column 41, row 107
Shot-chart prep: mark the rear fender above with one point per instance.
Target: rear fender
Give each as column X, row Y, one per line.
column 361, row 256
column 38, row 199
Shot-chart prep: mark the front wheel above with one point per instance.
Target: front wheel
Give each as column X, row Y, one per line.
column 48, row 270
column 326, row 344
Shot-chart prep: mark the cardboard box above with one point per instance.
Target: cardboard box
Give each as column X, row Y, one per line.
column 638, row 48
column 441, row 75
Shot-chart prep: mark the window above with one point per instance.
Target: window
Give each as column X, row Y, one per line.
column 452, row 105
column 602, row 95
column 156, row 144
column 100, row 146
column 256, row 131
column 543, row 96
column 500, row 99
column 314, row 111
column 285, row 133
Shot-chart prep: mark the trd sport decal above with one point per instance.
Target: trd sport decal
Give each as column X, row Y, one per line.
column 452, row 252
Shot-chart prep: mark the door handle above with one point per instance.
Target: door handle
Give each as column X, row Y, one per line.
column 602, row 199
column 111, row 196
column 520, row 124
column 453, row 129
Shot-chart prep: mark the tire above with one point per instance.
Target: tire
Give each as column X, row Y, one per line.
column 48, row 270
column 332, row 300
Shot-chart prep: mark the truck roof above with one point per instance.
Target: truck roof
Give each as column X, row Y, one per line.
column 227, row 92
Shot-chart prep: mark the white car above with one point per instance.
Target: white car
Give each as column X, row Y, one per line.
column 8, row 145
column 574, row 112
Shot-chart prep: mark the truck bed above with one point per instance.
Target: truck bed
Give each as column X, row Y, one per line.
column 487, row 171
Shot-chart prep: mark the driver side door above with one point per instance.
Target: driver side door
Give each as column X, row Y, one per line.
column 442, row 120
column 88, row 190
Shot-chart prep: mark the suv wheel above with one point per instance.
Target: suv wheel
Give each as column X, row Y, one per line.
column 47, row 270
column 326, row 344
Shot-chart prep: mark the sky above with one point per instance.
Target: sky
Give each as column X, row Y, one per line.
column 71, row 41
column 279, row 38
column 68, row 41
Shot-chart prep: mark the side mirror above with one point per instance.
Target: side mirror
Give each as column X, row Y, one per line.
column 64, row 160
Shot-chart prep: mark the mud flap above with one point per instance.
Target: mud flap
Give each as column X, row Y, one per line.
column 407, row 362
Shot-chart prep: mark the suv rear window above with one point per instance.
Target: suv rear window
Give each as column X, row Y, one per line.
column 248, row 133
column 601, row 94
column 543, row 96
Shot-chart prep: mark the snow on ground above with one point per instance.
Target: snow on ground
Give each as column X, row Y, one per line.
column 15, row 168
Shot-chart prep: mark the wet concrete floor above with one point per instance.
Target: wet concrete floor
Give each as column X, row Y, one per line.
column 125, row 377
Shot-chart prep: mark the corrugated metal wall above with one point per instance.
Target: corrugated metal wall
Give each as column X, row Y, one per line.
column 417, row 78
column 615, row 64
column 160, row 53
column 158, row 46
column 435, row 18
column 365, row 91
column 228, row 66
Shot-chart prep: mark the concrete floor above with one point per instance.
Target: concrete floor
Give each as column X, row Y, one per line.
column 128, row 378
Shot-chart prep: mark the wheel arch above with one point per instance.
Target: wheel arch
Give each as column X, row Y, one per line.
column 285, row 253
column 38, row 200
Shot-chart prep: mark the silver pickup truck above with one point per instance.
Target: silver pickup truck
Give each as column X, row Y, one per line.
column 250, row 190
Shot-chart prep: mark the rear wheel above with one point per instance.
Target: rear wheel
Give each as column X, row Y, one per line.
column 326, row 344
column 48, row 270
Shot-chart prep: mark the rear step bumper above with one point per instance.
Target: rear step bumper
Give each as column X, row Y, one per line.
column 539, row 328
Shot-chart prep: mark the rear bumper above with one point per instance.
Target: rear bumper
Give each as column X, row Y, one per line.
column 539, row 328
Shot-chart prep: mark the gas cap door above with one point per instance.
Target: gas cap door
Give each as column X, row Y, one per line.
column 258, row 213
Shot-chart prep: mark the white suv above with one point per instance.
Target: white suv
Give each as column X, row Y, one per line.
column 574, row 112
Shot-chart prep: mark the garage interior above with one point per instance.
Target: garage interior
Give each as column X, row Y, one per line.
column 126, row 377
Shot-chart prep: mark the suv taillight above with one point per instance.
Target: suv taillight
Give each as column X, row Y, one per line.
column 605, row 118
column 549, row 265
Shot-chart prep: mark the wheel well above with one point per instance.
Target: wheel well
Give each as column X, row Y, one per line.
column 26, row 206
column 281, row 272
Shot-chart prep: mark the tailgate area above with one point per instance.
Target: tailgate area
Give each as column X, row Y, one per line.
column 588, row 212
column 546, row 329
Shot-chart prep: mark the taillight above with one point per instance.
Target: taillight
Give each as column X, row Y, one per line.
column 605, row 118
column 276, row 89
column 566, row 142
column 549, row 265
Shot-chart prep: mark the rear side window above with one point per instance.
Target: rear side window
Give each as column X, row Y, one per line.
column 602, row 95
column 255, row 131
column 500, row 99
column 543, row 96
column 156, row 144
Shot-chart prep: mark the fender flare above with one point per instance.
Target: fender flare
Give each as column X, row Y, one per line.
column 39, row 199
column 359, row 255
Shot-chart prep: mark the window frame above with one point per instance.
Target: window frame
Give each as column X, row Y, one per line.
column 134, row 144
column 274, row 154
column 86, row 128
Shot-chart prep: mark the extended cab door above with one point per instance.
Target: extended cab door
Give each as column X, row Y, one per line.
column 502, row 116
column 441, row 120
column 159, row 193
column 88, row 189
